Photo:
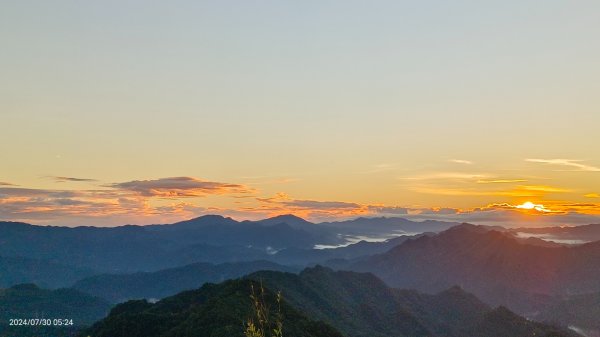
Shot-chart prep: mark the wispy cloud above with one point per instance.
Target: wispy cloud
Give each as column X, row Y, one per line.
column 447, row 176
column 61, row 179
column 518, row 191
column 383, row 167
column 180, row 187
column 500, row 181
column 282, row 203
column 576, row 164
column 592, row 195
column 2, row 183
column 461, row 161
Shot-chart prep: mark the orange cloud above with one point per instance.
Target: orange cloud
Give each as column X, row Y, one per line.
column 126, row 201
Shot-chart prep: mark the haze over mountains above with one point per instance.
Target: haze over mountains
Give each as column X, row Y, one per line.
column 29, row 301
column 427, row 279
column 354, row 304
column 213, row 239
column 493, row 265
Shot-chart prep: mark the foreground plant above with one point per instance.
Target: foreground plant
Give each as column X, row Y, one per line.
column 261, row 323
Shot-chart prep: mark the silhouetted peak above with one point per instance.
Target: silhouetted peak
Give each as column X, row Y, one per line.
column 286, row 217
column 207, row 220
column 317, row 270
column 25, row 287
column 453, row 290
column 503, row 312
column 467, row 228
column 289, row 219
column 210, row 217
column 13, row 224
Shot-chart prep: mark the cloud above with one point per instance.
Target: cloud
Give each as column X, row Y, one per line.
column 574, row 163
column 447, row 176
column 60, row 179
column 518, row 191
column 2, row 183
column 437, row 210
column 461, row 161
column 180, row 187
column 42, row 204
column 116, row 203
column 592, row 195
column 389, row 210
column 383, row 167
column 282, row 203
column 501, row 181
column 548, row 213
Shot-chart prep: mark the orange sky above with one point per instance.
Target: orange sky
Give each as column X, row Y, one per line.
column 115, row 113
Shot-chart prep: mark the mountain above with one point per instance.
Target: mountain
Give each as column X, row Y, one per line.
column 16, row 270
column 357, row 250
column 211, row 238
column 384, row 226
column 579, row 311
column 494, row 265
column 27, row 301
column 317, row 302
column 120, row 287
column 360, row 304
column 574, row 234
column 148, row 248
column 216, row 310
column 292, row 220
column 217, row 230
column 155, row 285
column 99, row 249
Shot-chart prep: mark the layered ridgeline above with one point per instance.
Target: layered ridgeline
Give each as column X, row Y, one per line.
column 81, row 251
column 118, row 288
column 46, row 274
column 495, row 265
column 354, row 304
column 27, row 301
column 213, row 310
column 569, row 234
column 156, row 285
column 582, row 312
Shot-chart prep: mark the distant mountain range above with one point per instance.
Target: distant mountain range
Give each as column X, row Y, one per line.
column 213, row 239
column 48, row 274
column 155, row 285
column 585, row 233
column 118, row 288
column 355, row 304
column 579, row 311
column 494, row 265
column 507, row 269
column 27, row 301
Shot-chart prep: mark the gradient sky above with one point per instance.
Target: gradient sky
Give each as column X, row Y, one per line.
column 117, row 112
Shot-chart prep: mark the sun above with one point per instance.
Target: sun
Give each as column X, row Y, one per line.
column 527, row 205
column 530, row 205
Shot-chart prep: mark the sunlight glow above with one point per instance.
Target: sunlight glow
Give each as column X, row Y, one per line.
column 531, row 206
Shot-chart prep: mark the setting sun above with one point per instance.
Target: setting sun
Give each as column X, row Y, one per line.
column 527, row 205
column 530, row 205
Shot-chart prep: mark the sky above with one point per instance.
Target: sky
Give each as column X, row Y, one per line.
column 115, row 112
